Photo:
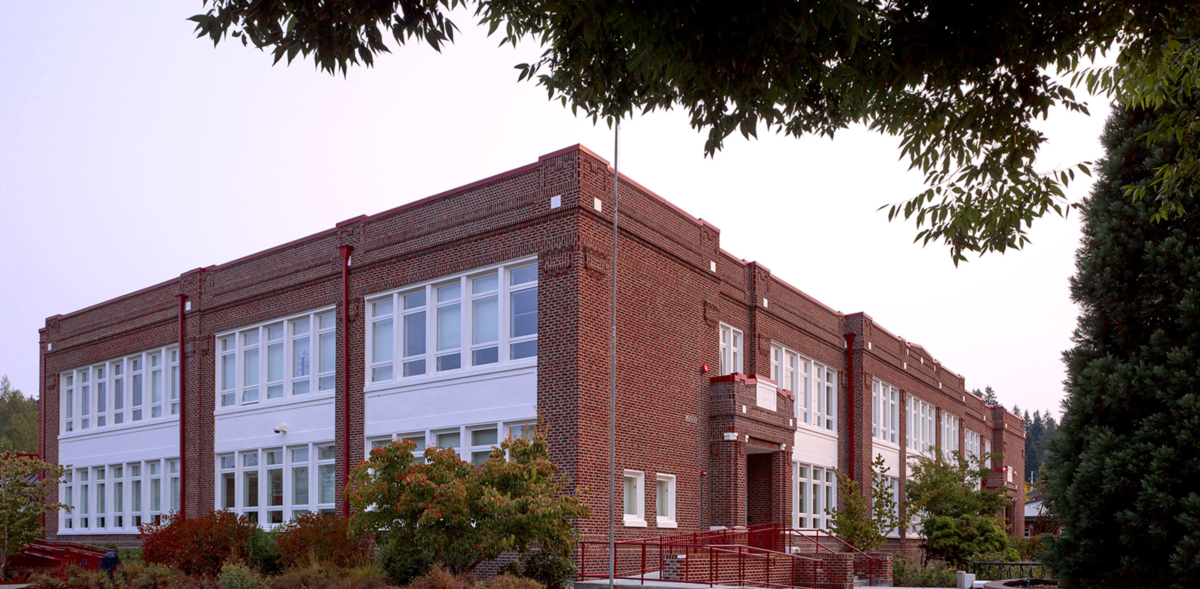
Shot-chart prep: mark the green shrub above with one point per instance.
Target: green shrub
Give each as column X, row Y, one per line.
column 957, row 539
column 550, row 569
column 239, row 576
column 402, row 562
column 466, row 514
column 41, row 581
column 1030, row 549
column 262, row 552
column 907, row 574
column 1007, row 555
column 151, row 576
column 130, row 555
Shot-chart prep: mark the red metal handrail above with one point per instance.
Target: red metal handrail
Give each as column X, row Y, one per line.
column 638, row 560
column 749, row 542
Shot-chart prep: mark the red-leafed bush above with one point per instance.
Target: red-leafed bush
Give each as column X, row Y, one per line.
column 321, row 538
column 198, row 545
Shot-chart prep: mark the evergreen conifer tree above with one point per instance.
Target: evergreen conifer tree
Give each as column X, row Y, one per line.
column 1123, row 473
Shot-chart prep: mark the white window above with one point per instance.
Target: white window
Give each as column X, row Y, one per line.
column 919, row 433
column 68, row 495
column 473, row 443
column 110, row 498
column 665, row 500
column 154, row 469
column 972, row 446
column 101, row 508
column 635, row 498
column 825, row 410
column 118, row 502
column 987, row 453
column 68, row 411
column 814, row 385
column 282, row 359
column 814, row 494
column 482, row 442
column 949, row 433
column 274, row 485
column 173, row 355
column 85, row 401
column 112, row 393
column 453, row 324
column 118, row 390
column 101, row 397
column 731, row 350
column 885, row 424
column 135, row 496
column 894, row 484
column 156, row 384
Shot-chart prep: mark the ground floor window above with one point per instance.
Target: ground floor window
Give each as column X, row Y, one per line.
column 665, row 500
column 635, row 498
column 113, row 499
column 274, row 485
column 814, row 495
column 473, row 443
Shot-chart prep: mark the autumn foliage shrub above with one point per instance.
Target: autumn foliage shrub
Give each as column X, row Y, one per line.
column 198, row 545
column 323, row 538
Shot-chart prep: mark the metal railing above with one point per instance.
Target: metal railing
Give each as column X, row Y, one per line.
column 764, row 555
column 991, row 571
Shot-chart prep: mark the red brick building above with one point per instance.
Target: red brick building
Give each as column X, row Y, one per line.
column 467, row 316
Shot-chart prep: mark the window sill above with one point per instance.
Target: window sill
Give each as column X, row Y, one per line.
column 667, row 523
column 273, row 404
column 886, row 444
column 808, row 429
column 634, row 522
column 124, row 427
column 487, row 371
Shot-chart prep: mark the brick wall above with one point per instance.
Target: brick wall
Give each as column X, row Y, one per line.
column 675, row 286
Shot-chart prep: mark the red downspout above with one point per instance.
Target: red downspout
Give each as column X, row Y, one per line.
column 182, row 404
column 850, row 397
column 346, row 250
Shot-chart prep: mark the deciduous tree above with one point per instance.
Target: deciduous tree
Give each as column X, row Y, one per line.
column 459, row 513
column 960, row 82
column 26, row 484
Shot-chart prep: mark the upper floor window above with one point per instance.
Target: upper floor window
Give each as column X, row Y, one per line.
column 814, row 384
column 972, row 440
column 282, row 358
column 123, row 391
column 457, row 323
column 920, row 432
column 949, row 433
column 731, row 350
column 886, row 411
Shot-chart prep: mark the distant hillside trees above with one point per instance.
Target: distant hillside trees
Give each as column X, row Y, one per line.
column 1040, row 428
column 18, row 419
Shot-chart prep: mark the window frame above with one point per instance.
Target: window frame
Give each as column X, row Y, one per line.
column 671, row 519
column 293, row 387
column 390, row 372
column 951, row 424
column 289, row 508
column 118, row 497
column 885, row 403
column 108, row 391
column 731, row 348
column 637, row 519
column 812, row 490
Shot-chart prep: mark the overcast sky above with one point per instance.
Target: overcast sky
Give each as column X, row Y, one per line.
column 131, row 152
